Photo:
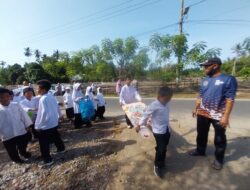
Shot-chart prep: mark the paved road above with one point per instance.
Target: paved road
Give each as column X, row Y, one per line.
column 241, row 108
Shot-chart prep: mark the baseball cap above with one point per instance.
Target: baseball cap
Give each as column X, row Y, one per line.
column 211, row 61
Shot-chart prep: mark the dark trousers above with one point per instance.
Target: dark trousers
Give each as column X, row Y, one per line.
column 17, row 145
column 78, row 120
column 162, row 141
column 220, row 140
column 100, row 111
column 128, row 121
column 46, row 137
column 70, row 113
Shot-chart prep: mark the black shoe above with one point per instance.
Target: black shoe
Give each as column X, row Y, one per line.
column 44, row 164
column 61, row 151
column 195, row 153
column 158, row 172
column 19, row 161
column 27, row 155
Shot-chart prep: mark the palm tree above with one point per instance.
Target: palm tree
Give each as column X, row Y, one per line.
column 246, row 45
column 27, row 52
column 237, row 49
column 37, row 55
column 2, row 63
column 56, row 55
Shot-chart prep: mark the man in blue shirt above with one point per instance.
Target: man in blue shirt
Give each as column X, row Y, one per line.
column 213, row 106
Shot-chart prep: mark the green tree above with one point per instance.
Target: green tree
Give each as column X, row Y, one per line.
column 167, row 47
column 35, row 72
column 37, row 54
column 15, row 73
column 105, row 71
column 27, row 52
column 246, row 46
column 122, row 51
column 56, row 55
column 238, row 50
column 2, row 63
column 139, row 64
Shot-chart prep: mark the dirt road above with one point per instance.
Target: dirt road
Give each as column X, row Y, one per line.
column 110, row 156
column 135, row 162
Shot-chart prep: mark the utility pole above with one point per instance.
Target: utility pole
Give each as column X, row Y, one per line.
column 181, row 16
column 181, row 32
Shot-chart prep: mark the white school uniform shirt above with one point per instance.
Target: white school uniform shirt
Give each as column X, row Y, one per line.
column 67, row 98
column 77, row 95
column 89, row 93
column 36, row 101
column 13, row 121
column 100, row 99
column 129, row 95
column 27, row 105
column 48, row 113
column 17, row 99
column 159, row 114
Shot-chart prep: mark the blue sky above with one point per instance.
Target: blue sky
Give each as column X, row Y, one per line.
column 70, row 25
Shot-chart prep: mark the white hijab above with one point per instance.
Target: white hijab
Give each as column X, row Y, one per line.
column 76, row 96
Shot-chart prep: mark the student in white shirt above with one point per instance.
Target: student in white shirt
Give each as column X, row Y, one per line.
column 158, row 110
column 129, row 95
column 89, row 93
column 77, row 95
column 47, row 123
column 29, row 105
column 16, row 96
column 68, row 102
column 100, row 104
column 14, row 124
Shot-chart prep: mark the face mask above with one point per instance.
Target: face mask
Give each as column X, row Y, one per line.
column 212, row 71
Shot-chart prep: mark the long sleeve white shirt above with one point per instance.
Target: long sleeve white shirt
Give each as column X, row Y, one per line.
column 77, row 95
column 89, row 93
column 159, row 114
column 48, row 113
column 100, row 100
column 28, row 105
column 129, row 95
column 67, row 98
column 13, row 121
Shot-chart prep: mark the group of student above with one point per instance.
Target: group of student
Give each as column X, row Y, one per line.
column 16, row 125
column 37, row 117
column 71, row 101
column 26, row 118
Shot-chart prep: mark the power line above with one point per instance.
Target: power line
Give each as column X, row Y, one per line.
column 232, row 10
column 105, row 17
column 192, row 5
column 221, row 20
column 83, row 18
column 156, row 29
column 222, row 23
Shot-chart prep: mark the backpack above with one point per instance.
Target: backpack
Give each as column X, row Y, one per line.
column 87, row 108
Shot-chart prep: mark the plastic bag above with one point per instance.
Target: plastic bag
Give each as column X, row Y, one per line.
column 87, row 108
